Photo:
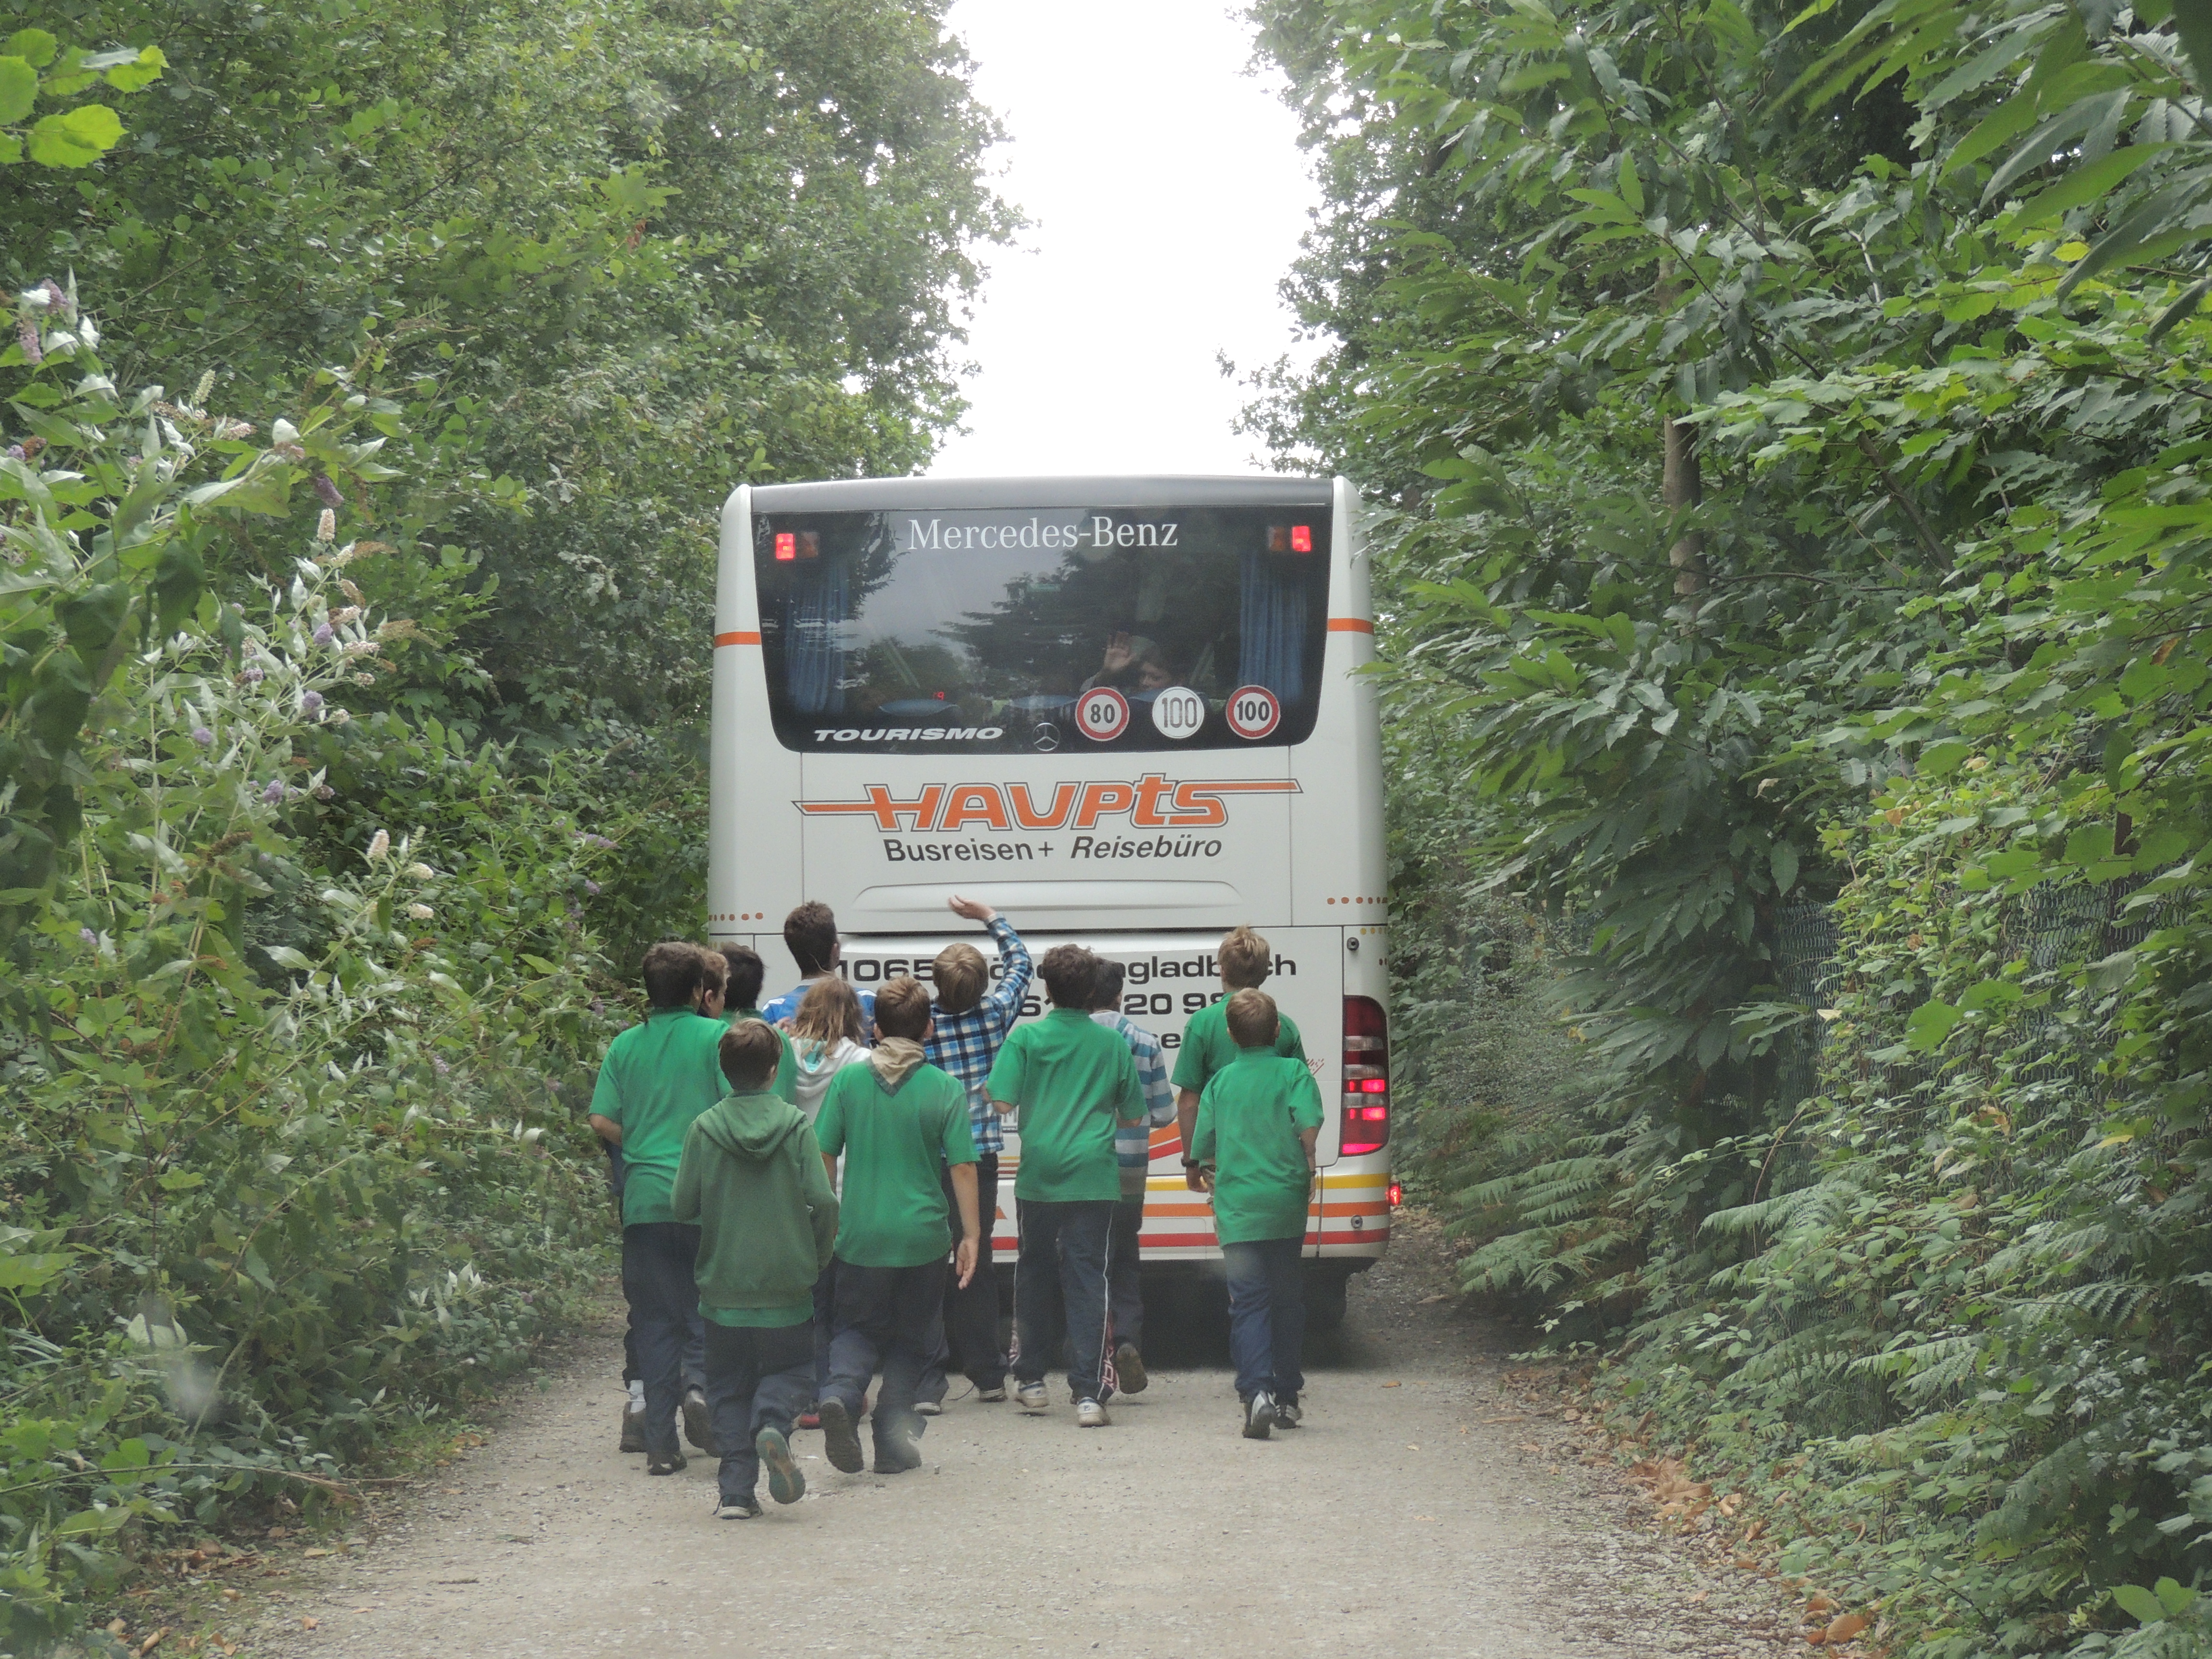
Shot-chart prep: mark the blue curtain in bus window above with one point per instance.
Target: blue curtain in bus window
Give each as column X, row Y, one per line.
column 813, row 636
column 1272, row 623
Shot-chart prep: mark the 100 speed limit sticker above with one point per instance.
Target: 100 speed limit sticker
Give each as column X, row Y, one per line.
column 1178, row 713
column 1253, row 712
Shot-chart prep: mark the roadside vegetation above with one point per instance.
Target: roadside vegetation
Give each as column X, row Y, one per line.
column 1789, row 429
column 371, row 380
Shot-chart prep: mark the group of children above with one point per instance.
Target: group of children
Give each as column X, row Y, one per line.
column 808, row 1190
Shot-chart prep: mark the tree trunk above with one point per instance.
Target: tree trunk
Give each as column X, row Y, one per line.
column 1680, row 486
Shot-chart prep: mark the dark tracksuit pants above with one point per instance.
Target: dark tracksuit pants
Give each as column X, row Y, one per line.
column 659, row 1261
column 885, row 1315
column 758, row 1376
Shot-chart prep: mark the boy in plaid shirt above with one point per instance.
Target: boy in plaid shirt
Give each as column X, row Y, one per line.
column 969, row 1026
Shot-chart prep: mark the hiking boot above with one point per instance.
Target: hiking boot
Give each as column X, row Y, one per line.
column 994, row 1395
column 1129, row 1369
column 928, row 1409
column 1288, row 1413
column 750, row 1510
column 1031, row 1397
column 633, row 1427
column 673, row 1463
column 787, row 1481
column 896, row 1454
column 1259, row 1416
column 699, row 1422
column 840, row 1442
column 1089, row 1414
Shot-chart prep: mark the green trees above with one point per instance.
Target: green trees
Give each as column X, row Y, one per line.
column 374, row 379
column 1795, row 498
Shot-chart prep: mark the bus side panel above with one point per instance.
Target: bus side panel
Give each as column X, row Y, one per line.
column 753, row 862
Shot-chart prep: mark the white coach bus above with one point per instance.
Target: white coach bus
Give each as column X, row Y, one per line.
column 1121, row 710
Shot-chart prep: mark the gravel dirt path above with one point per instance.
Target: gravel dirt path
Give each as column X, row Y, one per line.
column 1437, row 1503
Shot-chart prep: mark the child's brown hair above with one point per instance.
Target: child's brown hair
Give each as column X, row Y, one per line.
column 1245, row 960
column 829, row 1010
column 750, row 1053
column 961, row 974
column 902, row 1008
column 1253, row 1021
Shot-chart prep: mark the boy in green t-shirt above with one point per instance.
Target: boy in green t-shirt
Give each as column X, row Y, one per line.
column 1245, row 962
column 656, row 1078
column 898, row 1121
column 752, row 1180
column 1073, row 1080
column 740, row 1001
column 1254, row 1147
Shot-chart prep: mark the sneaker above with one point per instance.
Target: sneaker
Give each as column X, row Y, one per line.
column 840, row 1443
column 993, row 1396
column 748, row 1510
column 1089, row 1414
column 928, row 1409
column 1031, row 1397
column 671, row 1464
column 1129, row 1369
column 1259, row 1416
column 1286, row 1412
column 807, row 1420
column 787, row 1481
column 633, row 1427
column 896, row 1454
column 699, row 1422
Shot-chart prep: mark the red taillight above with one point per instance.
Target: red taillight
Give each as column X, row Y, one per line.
column 1397, row 1195
column 786, row 544
column 1301, row 538
column 1366, row 1107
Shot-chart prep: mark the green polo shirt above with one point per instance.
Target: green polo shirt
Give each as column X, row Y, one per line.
column 891, row 1212
column 657, row 1078
column 1072, row 1078
column 1248, row 1122
column 785, row 1088
column 1207, row 1047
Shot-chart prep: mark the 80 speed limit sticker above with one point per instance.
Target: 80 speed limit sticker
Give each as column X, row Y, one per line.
column 1253, row 712
column 1103, row 714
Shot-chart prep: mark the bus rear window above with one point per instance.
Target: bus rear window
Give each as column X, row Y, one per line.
column 1036, row 629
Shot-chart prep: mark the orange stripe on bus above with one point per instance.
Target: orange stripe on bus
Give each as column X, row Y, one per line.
column 741, row 637
column 1350, row 625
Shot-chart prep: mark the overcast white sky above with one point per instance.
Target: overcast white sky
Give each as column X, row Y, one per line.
column 1168, row 194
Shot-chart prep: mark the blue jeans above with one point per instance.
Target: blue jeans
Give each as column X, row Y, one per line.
column 758, row 1376
column 825, row 1321
column 885, row 1315
column 1064, row 1247
column 1267, row 1315
column 659, row 1259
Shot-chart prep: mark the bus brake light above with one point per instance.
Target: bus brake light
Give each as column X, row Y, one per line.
column 1365, row 1120
column 1301, row 538
column 786, row 544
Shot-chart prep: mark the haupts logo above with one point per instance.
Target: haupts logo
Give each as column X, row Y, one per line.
column 1153, row 801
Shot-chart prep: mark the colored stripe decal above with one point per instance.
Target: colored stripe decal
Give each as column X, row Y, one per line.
column 1350, row 625
column 742, row 637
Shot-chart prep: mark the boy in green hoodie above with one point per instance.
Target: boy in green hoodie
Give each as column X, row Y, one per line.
column 751, row 1179
column 899, row 1121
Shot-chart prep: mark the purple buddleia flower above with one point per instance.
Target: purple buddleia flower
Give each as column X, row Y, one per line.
column 592, row 888
column 328, row 490
column 442, row 1068
column 275, row 793
column 15, row 453
column 64, row 306
column 311, row 701
column 202, row 736
column 254, row 674
column 26, row 336
column 87, row 936
column 324, row 634
column 599, row 1006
